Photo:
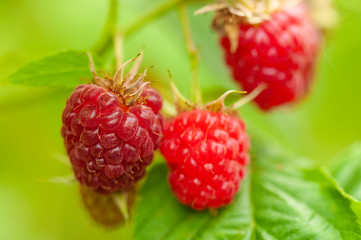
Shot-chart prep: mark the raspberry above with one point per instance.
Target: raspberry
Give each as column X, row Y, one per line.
column 280, row 52
column 154, row 100
column 103, row 208
column 108, row 142
column 207, row 153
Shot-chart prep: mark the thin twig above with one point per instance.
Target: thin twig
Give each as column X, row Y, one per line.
column 196, row 94
column 151, row 15
column 118, row 48
column 106, row 38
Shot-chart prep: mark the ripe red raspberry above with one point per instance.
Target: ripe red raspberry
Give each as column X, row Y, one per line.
column 280, row 52
column 207, row 153
column 110, row 137
column 110, row 144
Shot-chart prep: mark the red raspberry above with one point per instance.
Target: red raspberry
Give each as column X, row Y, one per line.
column 109, row 143
column 207, row 153
column 280, row 52
column 154, row 100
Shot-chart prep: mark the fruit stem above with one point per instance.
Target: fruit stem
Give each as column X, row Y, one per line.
column 118, row 48
column 108, row 32
column 196, row 94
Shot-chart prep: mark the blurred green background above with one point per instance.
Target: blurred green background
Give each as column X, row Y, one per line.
column 31, row 150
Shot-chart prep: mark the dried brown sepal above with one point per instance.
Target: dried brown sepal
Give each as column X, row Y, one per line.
column 248, row 98
column 96, row 78
column 104, row 209
column 218, row 105
column 133, row 96
column 253, row 11
column 118, row 80
column 230, row 14
column 128, row 87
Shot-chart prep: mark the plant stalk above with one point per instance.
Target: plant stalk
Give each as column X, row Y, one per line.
column 151, row 15
column 109, row 30
column 118, row 48
column 106, row 40
column 196, row 94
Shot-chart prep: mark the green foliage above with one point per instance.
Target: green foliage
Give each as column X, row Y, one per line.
column 346, row 169
column 280, row 199
column 65, row 69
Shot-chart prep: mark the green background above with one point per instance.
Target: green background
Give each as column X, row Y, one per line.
column 31, row 150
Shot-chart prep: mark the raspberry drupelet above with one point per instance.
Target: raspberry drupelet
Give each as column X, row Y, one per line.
column 110, row 135
column 207, row 153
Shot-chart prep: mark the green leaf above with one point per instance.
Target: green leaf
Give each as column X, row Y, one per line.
column 65, row 69
column 280, row 199
column 346, row 169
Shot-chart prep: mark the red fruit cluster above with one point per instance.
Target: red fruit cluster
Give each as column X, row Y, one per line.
column 110, row 144
column 280, row 52
column 207, row 153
